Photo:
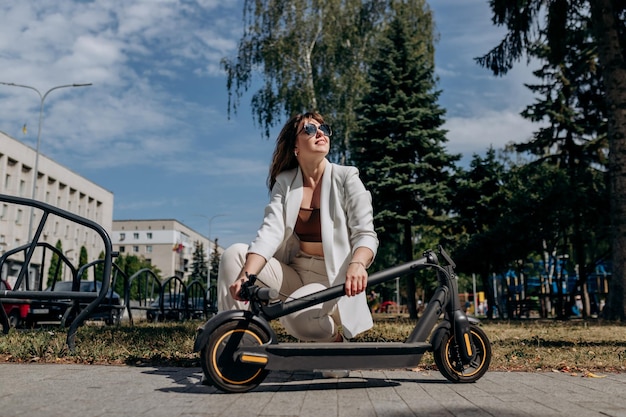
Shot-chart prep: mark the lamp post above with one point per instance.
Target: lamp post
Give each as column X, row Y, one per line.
column 42, row 97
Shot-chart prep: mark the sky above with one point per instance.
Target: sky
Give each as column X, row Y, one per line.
column 153, row 128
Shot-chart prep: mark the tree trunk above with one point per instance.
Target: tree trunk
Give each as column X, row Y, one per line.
column 605, row 23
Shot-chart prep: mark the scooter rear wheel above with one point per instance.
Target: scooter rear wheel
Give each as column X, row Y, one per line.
column 220, row 366
column 449, row 361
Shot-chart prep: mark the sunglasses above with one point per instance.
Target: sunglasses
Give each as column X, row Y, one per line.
column 311, row 129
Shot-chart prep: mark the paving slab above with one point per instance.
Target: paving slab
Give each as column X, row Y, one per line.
column 48, row 390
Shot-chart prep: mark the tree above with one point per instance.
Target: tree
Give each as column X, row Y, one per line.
column 606, row 22
column 55, row 265
column 129, row 264
column 311, row 55
column 574, row 140
column 215, row 262
column 83, row 259
column 199, row 269
column 399, row 146
column 477, row 204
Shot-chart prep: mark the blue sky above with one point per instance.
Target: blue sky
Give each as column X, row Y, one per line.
column 153, row 128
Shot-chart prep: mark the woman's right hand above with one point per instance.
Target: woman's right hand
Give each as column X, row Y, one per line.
column 254, row 263
column 235, row 288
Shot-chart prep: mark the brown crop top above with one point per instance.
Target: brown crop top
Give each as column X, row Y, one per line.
column 309, row 226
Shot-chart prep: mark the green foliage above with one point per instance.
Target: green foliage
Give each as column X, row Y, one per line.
column 83, row 259
column 399, row 145
column 129, row 264
column 582, row 42
column 54, row 270
column 199, row 268
column 312, row 56
column 215, row 262
column 99, row 269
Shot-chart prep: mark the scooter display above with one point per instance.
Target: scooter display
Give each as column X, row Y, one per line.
column 238, row 348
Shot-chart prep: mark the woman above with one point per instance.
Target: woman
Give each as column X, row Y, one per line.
column 317, row 232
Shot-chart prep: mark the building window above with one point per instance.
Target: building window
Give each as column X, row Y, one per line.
column 18, row 218
column 122, row 236
column 135, row 235
column 122, row 249
column 149, row 234
column 136, row 249
column 149, row 249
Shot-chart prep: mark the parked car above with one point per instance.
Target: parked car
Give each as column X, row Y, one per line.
column 110, row 308
column 17, row 312
column 197, row 308
column 174, row 308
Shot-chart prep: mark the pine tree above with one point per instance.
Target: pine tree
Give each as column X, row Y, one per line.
column 477, row 200
column 199, row 269
column 54, row 270
column 399, row 146
column 574, row 139
column 83, row 259
column 215, row 262
column 533, row 21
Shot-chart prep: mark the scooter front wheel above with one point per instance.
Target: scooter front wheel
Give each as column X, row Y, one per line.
column 220, row 366
column 448, row 358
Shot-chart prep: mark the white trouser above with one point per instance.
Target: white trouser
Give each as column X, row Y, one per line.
column 305, row 275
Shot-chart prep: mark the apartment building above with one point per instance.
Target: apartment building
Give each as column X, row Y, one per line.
column 168, row 244
column 57, row 186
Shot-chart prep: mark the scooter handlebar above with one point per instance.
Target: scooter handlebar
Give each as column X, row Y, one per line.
column 249, row 291
column 267, row 294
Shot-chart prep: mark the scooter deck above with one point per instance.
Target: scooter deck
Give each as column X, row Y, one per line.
column 314, row 356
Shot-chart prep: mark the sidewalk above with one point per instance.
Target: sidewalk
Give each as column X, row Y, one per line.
column 91, row 390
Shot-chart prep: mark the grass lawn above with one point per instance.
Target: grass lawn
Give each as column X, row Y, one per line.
column 575, row 346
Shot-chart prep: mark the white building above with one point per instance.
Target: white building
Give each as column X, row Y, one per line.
column 57, row 186
column 167, row 244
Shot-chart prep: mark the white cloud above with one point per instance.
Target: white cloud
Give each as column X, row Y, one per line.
column 136, row 53
column 495, row 129
column 482, row 110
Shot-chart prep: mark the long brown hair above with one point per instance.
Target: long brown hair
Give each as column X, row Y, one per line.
column 284, row 157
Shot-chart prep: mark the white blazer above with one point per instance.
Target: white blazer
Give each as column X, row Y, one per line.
column 347, row 223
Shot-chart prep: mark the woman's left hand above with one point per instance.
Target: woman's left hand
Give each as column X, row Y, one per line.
column 356, row 279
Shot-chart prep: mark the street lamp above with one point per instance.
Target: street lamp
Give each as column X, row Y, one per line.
column 42, row 98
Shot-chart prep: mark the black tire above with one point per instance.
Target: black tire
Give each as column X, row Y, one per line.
column 15, row 321
column 221, row 369
column 448, row 359
column 115, row 318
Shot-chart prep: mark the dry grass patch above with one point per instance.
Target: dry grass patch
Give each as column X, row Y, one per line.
column 574, row 346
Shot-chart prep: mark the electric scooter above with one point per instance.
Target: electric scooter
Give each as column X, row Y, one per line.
column 238, row 348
